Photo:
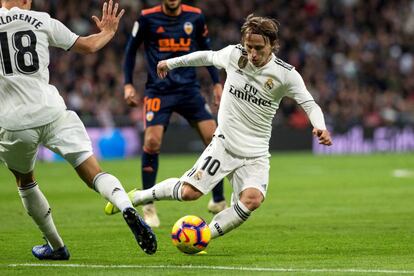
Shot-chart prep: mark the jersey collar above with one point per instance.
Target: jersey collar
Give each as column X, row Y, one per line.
column 257, row 69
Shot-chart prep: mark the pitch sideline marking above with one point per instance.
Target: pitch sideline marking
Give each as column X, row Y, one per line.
column 260, row 269
column 403, row 173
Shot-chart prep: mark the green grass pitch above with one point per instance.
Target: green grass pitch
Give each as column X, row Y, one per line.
column 331, row 215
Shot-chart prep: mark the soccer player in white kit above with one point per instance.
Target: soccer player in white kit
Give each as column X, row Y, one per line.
column 256, row 83
column 32, row 112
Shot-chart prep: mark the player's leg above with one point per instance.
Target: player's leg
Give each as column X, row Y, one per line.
column 104, row 183
column 213, row 164
column 39, row 210
column 74, row 145
column 157, row 109
column 232, row 217
column 149, row 167
column 249, row 190
column 193, row 107
column 169, row 189
column 111, row 189
column 217, row 204
column 18, row 151
column 67, row 137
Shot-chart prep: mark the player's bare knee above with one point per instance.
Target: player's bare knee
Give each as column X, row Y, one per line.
column 252, row 199
column 252, row 203
column 152, row 144
column 189, row 192
column 23, row 179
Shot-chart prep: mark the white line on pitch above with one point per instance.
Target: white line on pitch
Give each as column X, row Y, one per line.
column 233, row 268
column 403, row 173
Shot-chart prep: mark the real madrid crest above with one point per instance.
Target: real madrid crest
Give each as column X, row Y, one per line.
column 188, row 28
column 198, row 175
column 269, row 84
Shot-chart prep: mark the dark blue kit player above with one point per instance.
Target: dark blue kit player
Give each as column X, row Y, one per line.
column 169, row 30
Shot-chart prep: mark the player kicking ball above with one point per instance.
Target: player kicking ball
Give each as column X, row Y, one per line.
column 32, row 113
column 256, row 83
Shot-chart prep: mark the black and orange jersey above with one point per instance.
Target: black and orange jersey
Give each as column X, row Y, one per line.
column 166, row 37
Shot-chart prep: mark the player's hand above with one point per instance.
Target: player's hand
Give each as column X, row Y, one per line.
column 217, row 91
column 162, row 69
column 130, row 95
column 110, row 20
column 324, row 136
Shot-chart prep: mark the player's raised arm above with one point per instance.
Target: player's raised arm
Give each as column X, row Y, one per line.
column 199, row 58
column 107, row 25
column 219, row 59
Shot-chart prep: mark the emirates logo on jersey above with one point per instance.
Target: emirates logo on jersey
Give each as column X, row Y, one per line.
column 249, row 95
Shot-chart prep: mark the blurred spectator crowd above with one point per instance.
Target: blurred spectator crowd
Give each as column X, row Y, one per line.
column 356, row 58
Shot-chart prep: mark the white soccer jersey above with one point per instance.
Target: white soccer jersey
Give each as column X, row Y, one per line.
column 27, row 99
column 251, row 97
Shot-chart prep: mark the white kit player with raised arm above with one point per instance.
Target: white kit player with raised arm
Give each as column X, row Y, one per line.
column 25, row 37
column 256, row 83
column 32, row 113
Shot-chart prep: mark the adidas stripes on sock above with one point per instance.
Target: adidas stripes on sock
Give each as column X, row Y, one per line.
column 38, row 208
column 169, row 189
column 228, row 219
column 111, row 189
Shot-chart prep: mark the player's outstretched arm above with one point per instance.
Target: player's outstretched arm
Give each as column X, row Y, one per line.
column 195, row 59
column 108, row 25
column 323, row 136
column 162, row 69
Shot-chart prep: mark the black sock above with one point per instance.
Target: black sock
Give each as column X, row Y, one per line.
column 149, row 169
column 218, row 193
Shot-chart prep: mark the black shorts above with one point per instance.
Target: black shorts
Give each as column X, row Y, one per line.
column 189, row 104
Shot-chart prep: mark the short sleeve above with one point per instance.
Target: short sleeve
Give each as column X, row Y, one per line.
column 60, row 36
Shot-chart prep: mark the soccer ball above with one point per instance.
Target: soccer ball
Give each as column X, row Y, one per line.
column 190, row 234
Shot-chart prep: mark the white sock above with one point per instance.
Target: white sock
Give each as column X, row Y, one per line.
column 111, row 189
column 169, row 189
column 228, row 219
column 38, row 208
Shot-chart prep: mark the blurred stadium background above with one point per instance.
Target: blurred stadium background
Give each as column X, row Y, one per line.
column 356, row 58
column 330, row 214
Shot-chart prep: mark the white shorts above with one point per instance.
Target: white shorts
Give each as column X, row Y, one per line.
column 65, row 136
column 216, row 162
